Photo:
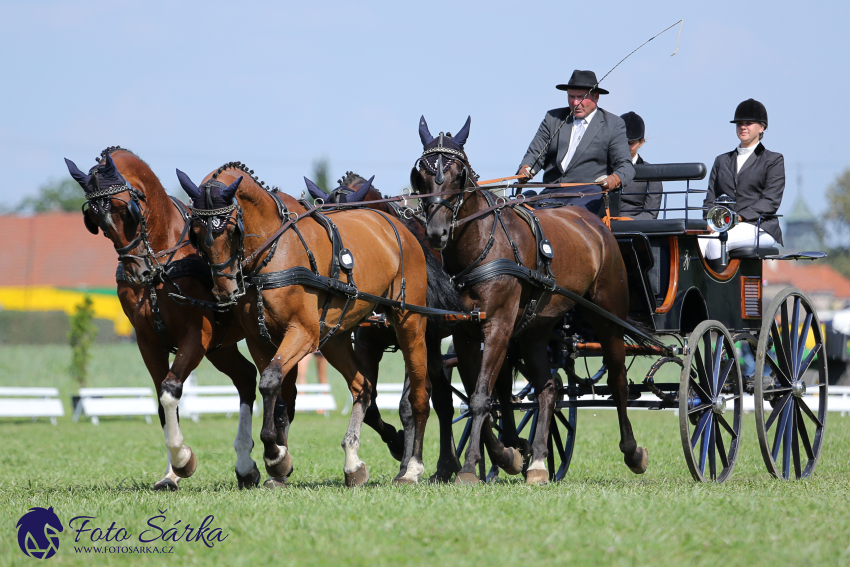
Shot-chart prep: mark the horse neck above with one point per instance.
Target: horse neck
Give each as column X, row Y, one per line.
column 165, row 224
column 260, row 213
column 469, row 241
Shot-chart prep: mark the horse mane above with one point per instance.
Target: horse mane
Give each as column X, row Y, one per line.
column 244, row 168
column 113, row 149
column 350, row 178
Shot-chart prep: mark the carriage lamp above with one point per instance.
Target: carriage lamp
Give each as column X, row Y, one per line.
column 721, row 217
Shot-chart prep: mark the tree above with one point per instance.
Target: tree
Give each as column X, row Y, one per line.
column 838, row 220
column 64, row 195
column 81, row 336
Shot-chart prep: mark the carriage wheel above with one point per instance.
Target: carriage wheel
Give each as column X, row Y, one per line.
column 561, row 441
column 710, row 426
column 796, row 411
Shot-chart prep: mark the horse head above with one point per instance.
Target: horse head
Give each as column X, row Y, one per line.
column 217, row 231
column 113, row 205
column 354, row 191
column 442, row 168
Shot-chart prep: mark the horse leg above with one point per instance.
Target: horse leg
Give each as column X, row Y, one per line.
column 277, row 413
column 496, row 335
column 230, row 361
column 614, row 356
column 156, row 361
column 188, row 356
column 410, row 331
column 369, row 347
column 535, row 355
column 510, row 438
column 340, row 355
column 441, row 397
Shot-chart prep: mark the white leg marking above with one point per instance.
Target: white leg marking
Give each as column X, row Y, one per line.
column 169, row 472
column 352, row 461
column 244, row 443
column 273, row 462
column 537, row 464
column 351, row 441
column 173, row 437
column 415, row 469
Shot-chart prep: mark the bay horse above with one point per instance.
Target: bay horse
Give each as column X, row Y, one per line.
column 295, row 262
column 583, row 257
column 370, row 342
column 126, row 201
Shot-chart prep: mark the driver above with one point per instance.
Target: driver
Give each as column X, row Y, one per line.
column 591, row 144
column 754, row 177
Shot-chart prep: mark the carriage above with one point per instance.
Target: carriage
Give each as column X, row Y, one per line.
column 708, row 314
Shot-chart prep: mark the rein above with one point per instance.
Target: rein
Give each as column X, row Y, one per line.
column 522, row 199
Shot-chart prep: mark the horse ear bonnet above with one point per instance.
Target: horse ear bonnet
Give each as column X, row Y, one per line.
column 107, row 174
column 359, row 194
column 314, row 190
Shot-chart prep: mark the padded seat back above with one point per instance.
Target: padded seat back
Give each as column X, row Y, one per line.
column 752, row 252
column 656, row 226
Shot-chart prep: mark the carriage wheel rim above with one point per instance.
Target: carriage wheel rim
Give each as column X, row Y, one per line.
column 710, row 403
column 791, row 433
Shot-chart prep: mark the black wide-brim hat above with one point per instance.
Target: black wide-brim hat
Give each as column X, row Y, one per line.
column 582, row 80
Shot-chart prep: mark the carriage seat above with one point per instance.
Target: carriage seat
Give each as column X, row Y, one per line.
column 658, row 226
column 752, row 252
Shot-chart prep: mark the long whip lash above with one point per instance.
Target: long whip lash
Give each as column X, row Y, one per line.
column 680, row 23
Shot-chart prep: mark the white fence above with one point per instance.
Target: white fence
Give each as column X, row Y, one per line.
column 31, row 402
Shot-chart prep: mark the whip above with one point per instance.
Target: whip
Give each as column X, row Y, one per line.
column 680, row 23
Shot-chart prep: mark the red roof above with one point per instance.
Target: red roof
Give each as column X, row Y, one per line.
column 54, row 249
column 810, row 277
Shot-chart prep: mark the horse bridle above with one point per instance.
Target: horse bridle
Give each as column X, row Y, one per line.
column 101, row 201
column 209, row 217
column 466, row 176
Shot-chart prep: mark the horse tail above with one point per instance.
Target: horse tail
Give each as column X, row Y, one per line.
column 441, row 293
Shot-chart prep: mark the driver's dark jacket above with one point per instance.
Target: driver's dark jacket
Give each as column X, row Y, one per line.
column 757, row 188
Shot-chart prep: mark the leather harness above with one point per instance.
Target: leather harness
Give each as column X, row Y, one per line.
column 342, row 262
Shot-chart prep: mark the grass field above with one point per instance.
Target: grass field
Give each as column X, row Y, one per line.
column 600, row 514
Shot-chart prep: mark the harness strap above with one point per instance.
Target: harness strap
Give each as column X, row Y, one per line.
column 299, row 275
column 505, row 267
column 524, row 199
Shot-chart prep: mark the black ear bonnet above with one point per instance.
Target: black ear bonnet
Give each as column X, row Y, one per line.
column 101, row 186
column 212, row 203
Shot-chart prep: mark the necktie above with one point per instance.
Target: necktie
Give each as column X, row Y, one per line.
column 578, row 132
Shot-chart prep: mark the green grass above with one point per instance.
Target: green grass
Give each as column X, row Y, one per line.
column 600, row 514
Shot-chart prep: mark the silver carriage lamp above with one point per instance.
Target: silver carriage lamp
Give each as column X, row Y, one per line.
column 721, row 217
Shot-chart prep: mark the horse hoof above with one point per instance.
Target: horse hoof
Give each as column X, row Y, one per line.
column 166, row 484
column 403, row 481
column 438, row 478
column 358, row 477
column 282, row 468
column 537, row 477
column 642, row 456
column 275, row 483
column 516, row 462
column 467, row 478
column 249, row 480
column 188, row 469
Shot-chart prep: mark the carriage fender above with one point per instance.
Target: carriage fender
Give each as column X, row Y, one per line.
column 693, row 310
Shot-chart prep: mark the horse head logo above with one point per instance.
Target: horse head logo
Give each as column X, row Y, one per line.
column 38, row 533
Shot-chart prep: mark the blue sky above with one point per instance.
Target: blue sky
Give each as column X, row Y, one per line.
column 278, row 85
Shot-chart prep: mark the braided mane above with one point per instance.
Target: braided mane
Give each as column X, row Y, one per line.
column 244, row 168
column 113, row 149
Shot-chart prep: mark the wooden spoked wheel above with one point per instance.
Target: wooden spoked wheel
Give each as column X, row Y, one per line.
column 790, row 386
column 710, row 404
